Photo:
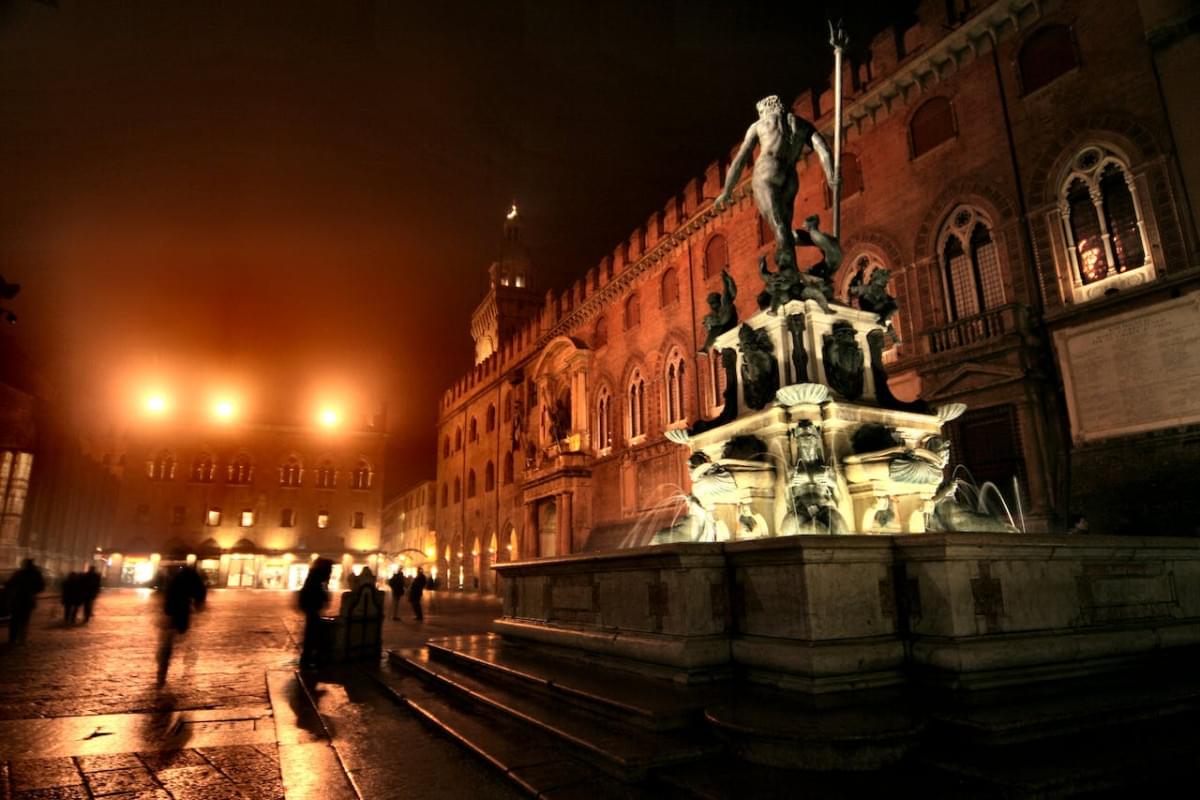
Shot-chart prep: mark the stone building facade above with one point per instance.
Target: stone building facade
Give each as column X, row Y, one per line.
column 1015, row 166
column 408, row 528
column 249, row 504
column 56, row 500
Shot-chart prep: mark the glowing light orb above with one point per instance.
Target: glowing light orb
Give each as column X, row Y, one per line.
column 329, row 417
column 224, row 409
column 156, row 404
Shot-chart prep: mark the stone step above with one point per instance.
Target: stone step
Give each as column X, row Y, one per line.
column 645, row 702
column 530, row 760
column 621, row 750
column 765, row 726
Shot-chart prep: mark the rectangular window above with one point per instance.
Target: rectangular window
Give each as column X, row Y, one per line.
column 323, row 519
column 247, row 518
column 358, row 519
column 287, row 518
column 177, row 515
column 213, row 518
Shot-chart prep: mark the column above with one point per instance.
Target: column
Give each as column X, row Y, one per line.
column 527, row 538
column 564, row 523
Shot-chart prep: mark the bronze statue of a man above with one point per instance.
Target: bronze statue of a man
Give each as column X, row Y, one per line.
column 781, row 138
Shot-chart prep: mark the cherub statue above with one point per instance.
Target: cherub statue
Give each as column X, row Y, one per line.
column 872, row 296
column 723, row 315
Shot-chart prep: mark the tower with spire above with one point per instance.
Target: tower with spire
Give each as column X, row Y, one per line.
column 510, row 300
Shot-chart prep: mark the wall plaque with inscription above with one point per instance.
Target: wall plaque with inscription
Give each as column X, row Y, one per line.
column 1133, row 372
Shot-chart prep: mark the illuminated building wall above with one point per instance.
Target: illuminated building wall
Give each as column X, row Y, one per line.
column 1004, row 225
column 250, row 502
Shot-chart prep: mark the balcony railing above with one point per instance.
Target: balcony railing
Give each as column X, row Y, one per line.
column 991, row 324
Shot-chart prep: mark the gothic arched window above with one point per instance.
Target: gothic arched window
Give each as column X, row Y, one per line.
column 970, row 263
column 290, row 472
column 241, row 470
column 457, row 490
column 161, row 467
column 669, row 288
column 1048, row 53
column 508, row 468
column 489, row 477
column 326, row 475
column 932, row 124
column 1104, row 228
column 473, row 431
column 203, row 468
column 716, row 256
column 360, row 478
column 471, row 483
column 675, row 383
column 490, row 425
column 604, row 433
column 636, row 398
column 633, row 311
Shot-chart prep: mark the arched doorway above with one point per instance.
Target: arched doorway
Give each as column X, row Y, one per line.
column 547, row 527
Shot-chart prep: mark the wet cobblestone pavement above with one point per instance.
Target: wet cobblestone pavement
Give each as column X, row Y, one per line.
column 81, row 715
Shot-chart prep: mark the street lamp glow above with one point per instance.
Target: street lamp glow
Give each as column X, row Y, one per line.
column 224, row 409
column 156, row 404
column 329, row 417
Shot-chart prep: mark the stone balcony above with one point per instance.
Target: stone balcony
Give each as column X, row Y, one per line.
column 993, row 324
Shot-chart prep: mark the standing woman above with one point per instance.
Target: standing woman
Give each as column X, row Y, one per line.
column 314, row 596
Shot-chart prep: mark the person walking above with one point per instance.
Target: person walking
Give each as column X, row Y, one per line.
column 89, row 590
column 23, row 588
column 396, row 584
column 415, row 591
column 314, row 596
column 71, row 597
column 185, row 591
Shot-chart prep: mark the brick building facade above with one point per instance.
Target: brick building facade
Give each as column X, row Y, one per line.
column 1013, row 164
column 250, row 504
column 408, row 528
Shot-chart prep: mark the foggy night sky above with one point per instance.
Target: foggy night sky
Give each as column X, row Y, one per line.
column 300, row 199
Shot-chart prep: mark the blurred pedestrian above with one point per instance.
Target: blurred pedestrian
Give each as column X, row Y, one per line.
column 396, row 584
column 90, row 589
column 314, row 596
column 415, row 591
column 23, row 588
column 184, row 592
column 72, row 597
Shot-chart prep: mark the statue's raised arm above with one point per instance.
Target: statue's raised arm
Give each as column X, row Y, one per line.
column 735, row 169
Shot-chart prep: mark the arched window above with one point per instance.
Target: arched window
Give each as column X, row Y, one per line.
column 491, row 417
column 852, row 179
column 241, row 470
column 446, row 446
column 203, row 468
column 508, row 469
column 291, row 472
column 633, row 311
column 161, row 467
column 457, row 439
column 1048, row 53
column 473, row 431
column 932, row 124
column 470, row 483
column 716, row 256
column 669, row 288
column 360, row 478
column 604, row 417
column 1104, row 227
column 326, row 475
column 489, row 477
column 676, row 411
column 457, row 490
column 970, row 263
column 600, row 338
column 445, row 495
column 636, row 398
